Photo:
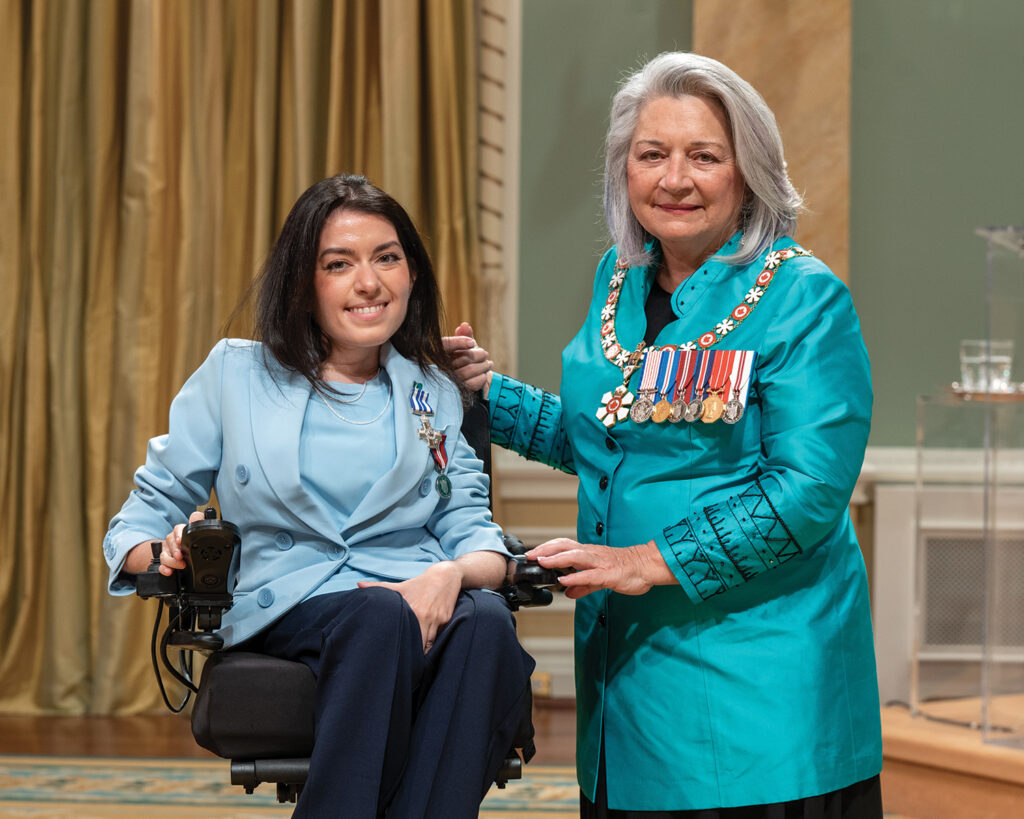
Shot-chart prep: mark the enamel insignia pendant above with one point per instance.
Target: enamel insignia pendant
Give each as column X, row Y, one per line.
column 615, row 406
column 443, row 484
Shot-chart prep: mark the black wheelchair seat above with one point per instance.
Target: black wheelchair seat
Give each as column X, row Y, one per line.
column 254, row 706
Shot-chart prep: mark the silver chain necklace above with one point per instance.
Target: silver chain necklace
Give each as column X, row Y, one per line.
column 341, row 417
column 358, row 394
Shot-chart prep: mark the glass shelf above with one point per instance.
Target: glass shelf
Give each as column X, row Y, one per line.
column 968, row 641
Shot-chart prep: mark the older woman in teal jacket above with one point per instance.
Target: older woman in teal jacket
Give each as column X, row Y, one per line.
column 367, row 547
column 715, row 406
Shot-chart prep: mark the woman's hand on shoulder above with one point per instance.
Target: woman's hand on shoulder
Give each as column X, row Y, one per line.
column 431, row 596
column 472, row 363
column 628, row 570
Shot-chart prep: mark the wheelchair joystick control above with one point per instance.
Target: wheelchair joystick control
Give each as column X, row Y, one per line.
column 528, row 583
column 195, row 597
column 151, row 583
column 201, row 592
column 209, row 545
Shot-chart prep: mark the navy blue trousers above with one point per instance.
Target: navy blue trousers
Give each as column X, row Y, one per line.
column 399, row 733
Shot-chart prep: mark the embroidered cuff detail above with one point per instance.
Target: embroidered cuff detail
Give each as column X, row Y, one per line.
column 731, row 542
column 703, row 572
column 505, row 402
column 527, row 420
column 768, row 534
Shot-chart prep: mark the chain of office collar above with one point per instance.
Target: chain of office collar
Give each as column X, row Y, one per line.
column 628, row 361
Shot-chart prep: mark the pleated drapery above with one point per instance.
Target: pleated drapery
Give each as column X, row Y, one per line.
column 149, row 152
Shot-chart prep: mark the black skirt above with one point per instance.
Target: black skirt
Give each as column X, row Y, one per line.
column 861, row 800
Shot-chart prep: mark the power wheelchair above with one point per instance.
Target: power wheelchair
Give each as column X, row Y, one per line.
column 256, row 710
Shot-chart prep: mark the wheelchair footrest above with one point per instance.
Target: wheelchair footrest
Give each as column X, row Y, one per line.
column 288, row 773
column 511, row 768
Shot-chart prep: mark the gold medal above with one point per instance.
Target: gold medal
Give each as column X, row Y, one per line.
column 662, row 411
column 713, row 408
column 716, row 385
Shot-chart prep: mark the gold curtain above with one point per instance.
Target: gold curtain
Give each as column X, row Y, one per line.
column 150, row 152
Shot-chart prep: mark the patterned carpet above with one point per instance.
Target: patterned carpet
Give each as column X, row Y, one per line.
column 46, row 787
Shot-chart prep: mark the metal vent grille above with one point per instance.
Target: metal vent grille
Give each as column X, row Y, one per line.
column 954, row 592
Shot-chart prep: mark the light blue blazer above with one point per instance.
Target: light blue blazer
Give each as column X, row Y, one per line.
column 235, row 426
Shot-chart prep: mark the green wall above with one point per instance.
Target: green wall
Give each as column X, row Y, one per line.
column 575, row 52
column 937, row 150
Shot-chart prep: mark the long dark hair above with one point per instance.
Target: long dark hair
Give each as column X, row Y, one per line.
column 286, row 298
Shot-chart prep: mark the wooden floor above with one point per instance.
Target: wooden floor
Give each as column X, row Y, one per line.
column 167, row 735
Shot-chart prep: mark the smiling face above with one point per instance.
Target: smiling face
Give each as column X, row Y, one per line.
column 684, row 185
column 362, row 284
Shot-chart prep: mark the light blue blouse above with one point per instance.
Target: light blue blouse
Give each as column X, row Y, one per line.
column 328, row 444
column 360, row 431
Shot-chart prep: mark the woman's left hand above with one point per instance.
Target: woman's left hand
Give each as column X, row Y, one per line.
column 629, row 570
column 431, row 596
column 472, row 363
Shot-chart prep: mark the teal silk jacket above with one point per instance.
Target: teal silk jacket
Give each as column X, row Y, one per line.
column 753, row 680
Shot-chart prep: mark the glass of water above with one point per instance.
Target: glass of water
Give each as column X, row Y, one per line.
column 985, row 366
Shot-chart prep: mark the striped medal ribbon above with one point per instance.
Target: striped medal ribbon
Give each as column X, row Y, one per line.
column 718, row 383
column 694, row 405
column 742, row 368
column 670, row 356
column 442, row 483
column 682, row 380
column 643, row 408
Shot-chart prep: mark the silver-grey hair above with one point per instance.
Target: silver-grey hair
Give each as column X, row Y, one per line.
column 772, row 203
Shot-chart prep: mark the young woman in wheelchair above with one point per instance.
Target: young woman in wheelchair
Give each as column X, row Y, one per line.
column 367, row 549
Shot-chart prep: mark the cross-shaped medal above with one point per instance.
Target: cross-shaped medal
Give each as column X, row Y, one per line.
column 429, row 434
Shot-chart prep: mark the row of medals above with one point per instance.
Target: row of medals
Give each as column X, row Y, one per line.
column 710, row 409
